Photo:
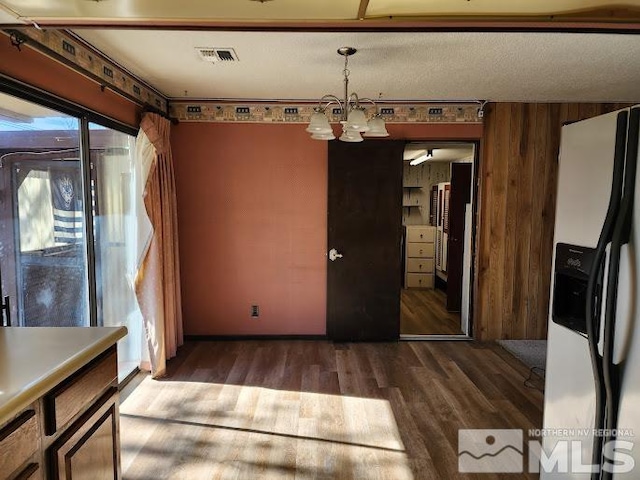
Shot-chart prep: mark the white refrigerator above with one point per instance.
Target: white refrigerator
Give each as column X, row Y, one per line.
column 592, row 390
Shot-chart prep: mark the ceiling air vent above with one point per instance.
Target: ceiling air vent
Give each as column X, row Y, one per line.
column 214, row 55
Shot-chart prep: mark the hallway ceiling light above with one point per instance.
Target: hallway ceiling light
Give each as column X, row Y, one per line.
column 422, row 158
column 353, row 119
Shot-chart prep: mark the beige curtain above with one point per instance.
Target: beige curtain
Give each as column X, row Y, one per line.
column 157, row 280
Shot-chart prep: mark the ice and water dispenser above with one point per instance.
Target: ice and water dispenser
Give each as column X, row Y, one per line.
column 571, row 275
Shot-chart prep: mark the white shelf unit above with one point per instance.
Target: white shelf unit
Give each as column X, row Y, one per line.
column 419, row 256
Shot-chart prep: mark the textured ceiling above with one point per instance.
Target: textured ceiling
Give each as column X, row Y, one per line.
column 303, row 10
column 185, row 9
column 487, row 7
column 497, row 66
column 7, row 17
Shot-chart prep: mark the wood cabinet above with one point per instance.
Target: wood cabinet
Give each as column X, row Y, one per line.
column 89, row 448
column 419, row 256
column 71, row 431
column 20, row 445
column 70, row 397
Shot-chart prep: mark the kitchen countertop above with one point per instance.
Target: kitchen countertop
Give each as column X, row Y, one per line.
column 33, row 360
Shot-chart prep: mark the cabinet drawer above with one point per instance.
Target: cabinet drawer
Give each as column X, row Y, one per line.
column 420, row 280
column 420, row 265
column 19, row 440
column 420, row 234
column 79, row 390
column 420, row 250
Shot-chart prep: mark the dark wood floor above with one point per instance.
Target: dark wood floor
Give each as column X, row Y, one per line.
column 313, row 409
column 424, row 312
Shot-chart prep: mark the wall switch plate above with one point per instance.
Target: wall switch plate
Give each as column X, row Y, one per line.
column 255, row 311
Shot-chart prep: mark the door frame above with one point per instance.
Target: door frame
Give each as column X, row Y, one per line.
column 473, row 280
column 43, row 164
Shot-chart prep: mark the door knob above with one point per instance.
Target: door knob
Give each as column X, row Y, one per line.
column 334, row 255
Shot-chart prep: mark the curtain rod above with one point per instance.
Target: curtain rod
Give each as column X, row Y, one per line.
column 148, row 108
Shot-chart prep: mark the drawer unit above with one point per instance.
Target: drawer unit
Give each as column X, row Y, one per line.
column 19, row 441
column 420, row 250
column 75, row 393
column 420, row 265
column 419, row 256
column 420, row 234
column 420, row 280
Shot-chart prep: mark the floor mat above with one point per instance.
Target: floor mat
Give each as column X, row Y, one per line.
column 533, row 353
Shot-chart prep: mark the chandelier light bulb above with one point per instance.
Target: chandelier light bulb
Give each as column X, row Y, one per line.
column 323, row 136
column 319, row 123
column 377, row 128
column 357, row 121
column 351, row 136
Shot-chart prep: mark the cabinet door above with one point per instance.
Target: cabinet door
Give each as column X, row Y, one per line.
column 89, row 450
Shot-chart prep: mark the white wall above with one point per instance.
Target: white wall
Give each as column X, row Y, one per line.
column 425, row 175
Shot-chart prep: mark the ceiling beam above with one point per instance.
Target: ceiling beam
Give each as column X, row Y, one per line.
column 362, row 9
column 367, row 25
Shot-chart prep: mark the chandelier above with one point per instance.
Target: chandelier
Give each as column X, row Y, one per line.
column 352, row 115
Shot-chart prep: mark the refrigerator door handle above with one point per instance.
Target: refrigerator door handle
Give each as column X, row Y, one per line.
column 621, row 236
column 594, row 285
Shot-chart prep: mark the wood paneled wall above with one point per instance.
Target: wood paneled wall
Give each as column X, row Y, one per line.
column 518, row 180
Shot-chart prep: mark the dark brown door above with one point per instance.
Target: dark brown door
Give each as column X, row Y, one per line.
column 460, row 196
column 365, row 227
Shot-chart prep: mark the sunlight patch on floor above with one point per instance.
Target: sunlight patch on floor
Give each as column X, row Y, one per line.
column 199, row 430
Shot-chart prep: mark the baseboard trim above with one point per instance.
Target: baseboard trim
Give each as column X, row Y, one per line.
column 427, row 338
column 215, row 338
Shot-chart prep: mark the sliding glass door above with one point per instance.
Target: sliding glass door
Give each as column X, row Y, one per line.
column 67, row 223
column 42, row 232
column 114, row 221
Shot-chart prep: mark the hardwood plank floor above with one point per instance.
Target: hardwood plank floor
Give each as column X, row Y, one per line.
column 317, row 410
column 424, row 312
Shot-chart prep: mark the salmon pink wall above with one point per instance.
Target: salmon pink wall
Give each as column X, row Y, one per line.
column 38, row 70
column 252, row 203
column 252, row 214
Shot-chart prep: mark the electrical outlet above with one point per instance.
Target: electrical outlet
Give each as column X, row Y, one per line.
column 255, row 311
